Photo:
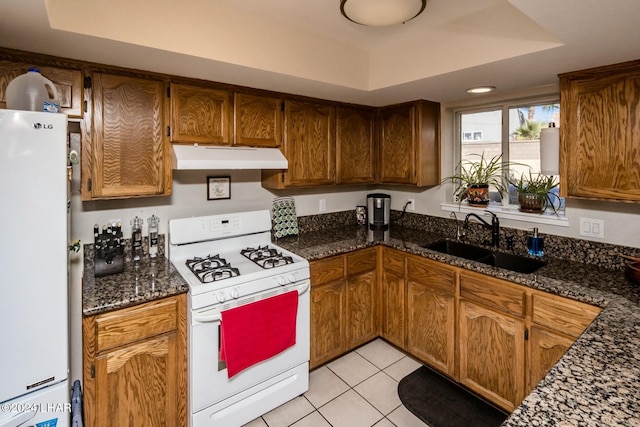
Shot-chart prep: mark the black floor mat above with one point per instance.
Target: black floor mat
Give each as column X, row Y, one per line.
column 440, row 402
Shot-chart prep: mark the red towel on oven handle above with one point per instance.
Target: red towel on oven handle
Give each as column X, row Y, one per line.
column 258, row 331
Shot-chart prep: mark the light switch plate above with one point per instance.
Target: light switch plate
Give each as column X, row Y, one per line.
column 590, row 227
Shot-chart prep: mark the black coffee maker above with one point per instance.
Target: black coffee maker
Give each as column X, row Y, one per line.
column 378, row 211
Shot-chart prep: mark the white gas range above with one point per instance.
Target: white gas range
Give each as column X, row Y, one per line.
column 229, row 261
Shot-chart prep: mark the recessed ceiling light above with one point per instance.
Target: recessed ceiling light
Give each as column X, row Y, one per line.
column 380, row 13
column 481, row 89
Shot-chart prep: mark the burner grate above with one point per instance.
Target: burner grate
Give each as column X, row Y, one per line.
column 211, row 268
column 266, row 257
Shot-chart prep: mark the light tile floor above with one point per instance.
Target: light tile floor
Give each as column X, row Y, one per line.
column 360, row 389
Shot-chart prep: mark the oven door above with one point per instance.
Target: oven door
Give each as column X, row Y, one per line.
column 208, row 379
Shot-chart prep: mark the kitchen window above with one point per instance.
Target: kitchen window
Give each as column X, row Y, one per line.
column 513, row 130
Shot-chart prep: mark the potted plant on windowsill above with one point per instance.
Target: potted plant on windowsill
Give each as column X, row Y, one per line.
column 473, row 179
column 534, row 192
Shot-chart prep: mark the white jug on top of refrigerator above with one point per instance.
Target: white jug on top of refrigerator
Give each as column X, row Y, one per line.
column 32, row 92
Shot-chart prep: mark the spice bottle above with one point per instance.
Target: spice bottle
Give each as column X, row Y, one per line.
column 136, row 238
column 153, row 235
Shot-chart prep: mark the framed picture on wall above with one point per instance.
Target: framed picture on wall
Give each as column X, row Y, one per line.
column 218, row 187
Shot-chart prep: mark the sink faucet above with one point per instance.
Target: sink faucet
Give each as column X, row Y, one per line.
column 494, row 226
column 459, row 235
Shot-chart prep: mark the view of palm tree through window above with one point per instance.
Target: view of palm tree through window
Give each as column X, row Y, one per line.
column 482, row 132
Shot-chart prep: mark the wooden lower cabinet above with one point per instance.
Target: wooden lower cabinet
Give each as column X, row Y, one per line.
column 546, row 347
column 135, row 365
column 343, row 304
column 360, row 322
column 492, row 348
column 393, row 297
column 495, row 337
column 556, row 323
column 431, row 312
column 327, row 322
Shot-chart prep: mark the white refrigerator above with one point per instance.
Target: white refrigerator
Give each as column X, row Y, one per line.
column 34, row 307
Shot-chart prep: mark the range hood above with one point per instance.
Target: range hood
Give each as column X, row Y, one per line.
column 201, row 157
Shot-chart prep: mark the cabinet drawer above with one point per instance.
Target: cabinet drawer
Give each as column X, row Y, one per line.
column 362, row 260
column 135, row 323
column 493, row 293
column 393, row 260
column 431, row 274
column 326, row 270
column 562, row 314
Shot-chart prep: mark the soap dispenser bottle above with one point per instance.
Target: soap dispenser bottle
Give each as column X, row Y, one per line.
column 535, row 244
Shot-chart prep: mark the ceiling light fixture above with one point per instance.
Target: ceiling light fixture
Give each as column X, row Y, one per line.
column 380, row 13
column 481, row 89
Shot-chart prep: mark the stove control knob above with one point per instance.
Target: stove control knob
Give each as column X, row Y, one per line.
column 234, row 293
column 281, row 281
column 220, row 297
column 291, row 278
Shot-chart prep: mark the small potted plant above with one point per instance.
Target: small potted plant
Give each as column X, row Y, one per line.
column 534, row 192
column 473, row 179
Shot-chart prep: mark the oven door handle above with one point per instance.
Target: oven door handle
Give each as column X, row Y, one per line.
column 307, row 284
column 201, row 318
column 216, row 317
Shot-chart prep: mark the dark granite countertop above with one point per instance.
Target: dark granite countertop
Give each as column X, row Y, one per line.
column 594, row 384
column 139, row 283
column 596, row 381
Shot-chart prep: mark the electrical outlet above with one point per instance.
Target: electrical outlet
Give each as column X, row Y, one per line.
column 322, row 205
column 590, row 227
column 412, row 205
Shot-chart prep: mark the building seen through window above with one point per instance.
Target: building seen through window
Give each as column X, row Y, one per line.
column 510, row 130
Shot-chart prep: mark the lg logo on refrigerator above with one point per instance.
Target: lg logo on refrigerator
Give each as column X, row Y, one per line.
column 42, row 126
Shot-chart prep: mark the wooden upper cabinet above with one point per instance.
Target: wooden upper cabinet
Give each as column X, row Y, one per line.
column 257, row 120
column 128, row 154
column 397, row 145
column 68, row 82
column 409, row 148
column 355, row 145
column 600, row 133
column 200, row 115
column 309, row 146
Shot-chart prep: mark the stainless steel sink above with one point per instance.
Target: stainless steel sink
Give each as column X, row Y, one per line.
column 459, row 249
column 517, row 263
column 520, row 264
